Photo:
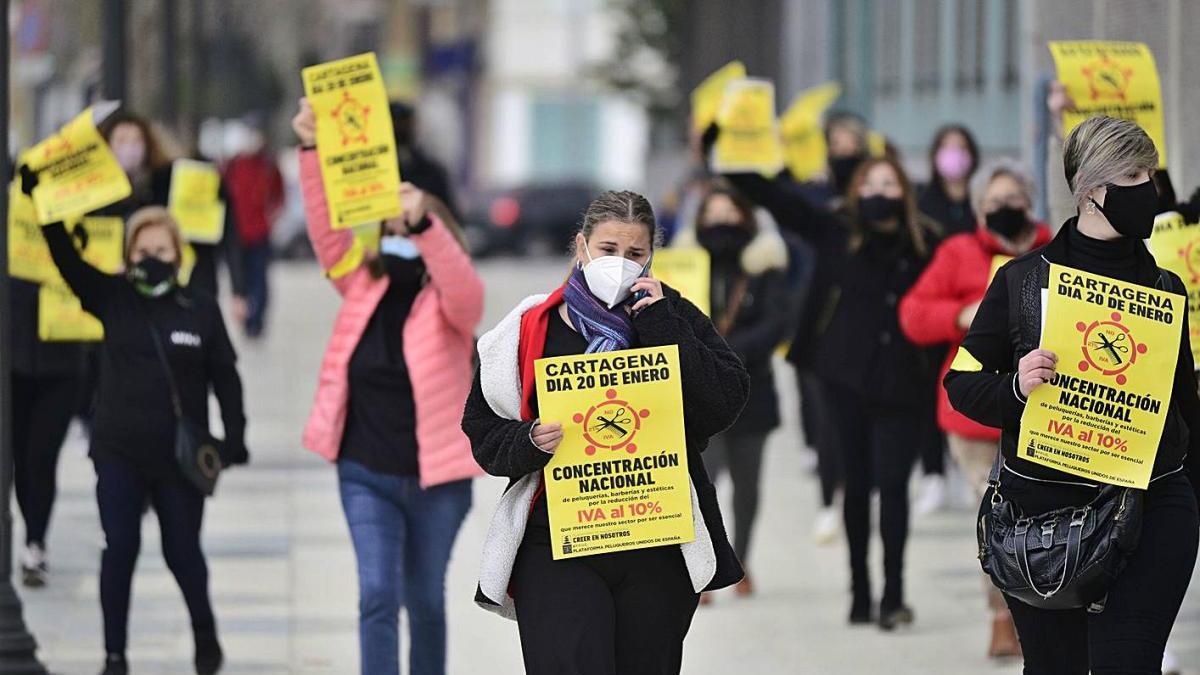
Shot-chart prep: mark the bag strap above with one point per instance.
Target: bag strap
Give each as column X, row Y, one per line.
column 735, row 305
column 156, row 338
column 1074, row 548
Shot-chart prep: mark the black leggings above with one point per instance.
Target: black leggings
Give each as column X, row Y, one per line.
column 741, row 454
column 625, row 613
column 1129, row 636
column 122, row 494
column 42, row 410
column 879, row 445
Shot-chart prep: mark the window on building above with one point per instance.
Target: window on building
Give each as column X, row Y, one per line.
column 927, row 33
column 565, row 139
column 1012, row 45
column 888, row 39
column 971, row 34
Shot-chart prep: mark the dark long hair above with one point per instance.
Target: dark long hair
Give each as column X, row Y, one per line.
column 939, row 137
column 745, row 209
column 156, row 156
column 914, row 224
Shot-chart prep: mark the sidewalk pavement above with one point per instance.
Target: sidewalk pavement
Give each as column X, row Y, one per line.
column 283, row 576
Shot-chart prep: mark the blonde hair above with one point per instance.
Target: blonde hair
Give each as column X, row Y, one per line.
column 994, row 169
column 152, row 216
column 1102, row 149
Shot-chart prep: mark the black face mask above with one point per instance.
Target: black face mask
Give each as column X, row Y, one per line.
column 1130, row 209
column 842, row 168
column 152, row 277
column 724, row 241
column 406, row 276
column 1007, row 222
column 878, row 208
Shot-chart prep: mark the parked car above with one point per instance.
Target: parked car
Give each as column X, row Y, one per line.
column 534, row 219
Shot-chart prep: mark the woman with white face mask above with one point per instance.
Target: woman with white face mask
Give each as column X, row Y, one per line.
column 625, row 612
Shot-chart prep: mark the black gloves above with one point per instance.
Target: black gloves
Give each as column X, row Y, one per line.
column 234, row 453
column 29, row 179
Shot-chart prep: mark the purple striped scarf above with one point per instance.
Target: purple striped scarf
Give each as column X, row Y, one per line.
column 606, row 330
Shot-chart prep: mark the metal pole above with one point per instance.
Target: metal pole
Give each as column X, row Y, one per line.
column 17, row 646
column 198, row 86
column 114, row 49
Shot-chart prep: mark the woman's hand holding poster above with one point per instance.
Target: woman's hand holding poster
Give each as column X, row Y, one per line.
column 1101, row 416
column 619, row 478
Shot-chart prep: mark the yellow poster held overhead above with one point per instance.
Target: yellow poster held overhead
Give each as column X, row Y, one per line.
column 1176, row 246
column 749, row 140
column 77, row 173
column 803, row 137
column 1117, row 79
column 687, row 270
column 194, row 200
column 1101, row 416
column 100, row 241
column 354, row 140
column 619, row 478
column 706, row 98
column 28, row 254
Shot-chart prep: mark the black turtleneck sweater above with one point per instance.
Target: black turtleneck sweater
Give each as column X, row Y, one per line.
column 1118, row 258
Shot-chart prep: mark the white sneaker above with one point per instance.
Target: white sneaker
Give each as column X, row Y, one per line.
column 932, row 495
column 34, row 568
column 828, row 526
column 1170, row 663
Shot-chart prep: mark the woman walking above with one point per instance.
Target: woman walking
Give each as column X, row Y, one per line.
column 1107, row 163
column 165, row 346
column 876, row 381
column 749, row 295
column 387, row 410
column 625, row 612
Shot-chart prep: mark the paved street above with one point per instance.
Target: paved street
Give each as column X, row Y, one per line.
column 283, row 575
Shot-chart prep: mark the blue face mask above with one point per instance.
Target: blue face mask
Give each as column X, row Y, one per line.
column 401, row 247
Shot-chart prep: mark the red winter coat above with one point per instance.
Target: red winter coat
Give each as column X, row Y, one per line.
column 957, row 276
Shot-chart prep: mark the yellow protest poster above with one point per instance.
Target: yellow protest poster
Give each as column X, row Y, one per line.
column 619, row 478
column 194, row 200
column 1176, row 246
column 77, row 173
column 187, row 263
column 100, row 241
column 1117, row 79
column 998, row 261
column 706, row 98
column 28, row 255
column 876, row 144
column 354, row 140
column 803, row 137
column 1101, row 416
column 687, row 270
column 369, row 234
column 749, row 140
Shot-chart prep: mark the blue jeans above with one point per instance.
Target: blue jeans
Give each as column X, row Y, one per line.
column 402, row 539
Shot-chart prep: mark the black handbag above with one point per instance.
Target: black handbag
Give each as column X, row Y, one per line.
column 197, row 453
column 1062, row 559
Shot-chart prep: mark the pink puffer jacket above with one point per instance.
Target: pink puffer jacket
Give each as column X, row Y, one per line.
column 438, row 338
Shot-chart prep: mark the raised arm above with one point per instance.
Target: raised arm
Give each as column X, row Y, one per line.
column 450, row 270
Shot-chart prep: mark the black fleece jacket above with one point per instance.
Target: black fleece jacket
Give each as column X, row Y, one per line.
column 715, row 387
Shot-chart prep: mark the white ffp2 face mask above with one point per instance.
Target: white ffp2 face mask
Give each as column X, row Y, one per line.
column 611, row 277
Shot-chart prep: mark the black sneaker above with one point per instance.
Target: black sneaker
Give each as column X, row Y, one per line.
column 209, row 657
column 897, row 617
column 115, row 664
column 860, row 611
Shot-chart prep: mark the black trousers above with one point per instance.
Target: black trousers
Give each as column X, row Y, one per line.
column 741, row 454
column 879, row 445
column 617, row 613
column 1130, row 635
column 815, row 417
column 42, row 411
column 122, row 494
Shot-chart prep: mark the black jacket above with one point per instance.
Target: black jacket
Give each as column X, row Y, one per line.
column 762, row 323
column 849, row 333
column 1008, row 326
column 954, row 217
column 134, row 420
column 715, row 386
